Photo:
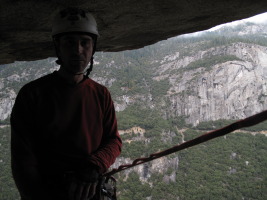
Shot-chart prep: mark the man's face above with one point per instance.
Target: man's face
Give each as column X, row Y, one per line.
column 75, row 51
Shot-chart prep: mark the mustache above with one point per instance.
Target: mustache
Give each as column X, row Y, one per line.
column 77, row 58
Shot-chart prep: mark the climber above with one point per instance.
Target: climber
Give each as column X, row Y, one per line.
column 63, row 125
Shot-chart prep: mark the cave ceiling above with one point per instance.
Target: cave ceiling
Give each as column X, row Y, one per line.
column 123, row 24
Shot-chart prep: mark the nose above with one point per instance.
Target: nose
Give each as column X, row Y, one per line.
column 77, row 47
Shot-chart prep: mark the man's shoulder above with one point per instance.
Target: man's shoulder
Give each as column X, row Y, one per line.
column 43, row 81
column 96, row 85
column 98, row 88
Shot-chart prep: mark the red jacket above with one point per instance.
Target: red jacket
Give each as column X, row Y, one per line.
column 65, row 127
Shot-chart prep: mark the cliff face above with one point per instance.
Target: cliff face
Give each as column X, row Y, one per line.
column 229, row 90
column 6, row 103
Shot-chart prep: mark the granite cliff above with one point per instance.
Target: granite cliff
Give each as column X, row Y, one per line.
column 230, row 90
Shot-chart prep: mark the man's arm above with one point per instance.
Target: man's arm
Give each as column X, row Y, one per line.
column 24, row 169
column 23, row 161
column 111, row 145
column 84, row 187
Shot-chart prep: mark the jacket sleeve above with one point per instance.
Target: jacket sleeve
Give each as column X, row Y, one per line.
column 111, row 145
column 23, row 161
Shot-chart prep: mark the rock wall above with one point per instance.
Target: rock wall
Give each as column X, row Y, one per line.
column 231, row 90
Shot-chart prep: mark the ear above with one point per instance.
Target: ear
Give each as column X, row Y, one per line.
column 56, row 44
column 57, row 50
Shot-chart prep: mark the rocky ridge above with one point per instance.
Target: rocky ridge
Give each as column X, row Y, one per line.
column 230, row 90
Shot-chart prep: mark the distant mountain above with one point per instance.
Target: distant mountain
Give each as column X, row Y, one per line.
column 215, row 75
column 170, row 92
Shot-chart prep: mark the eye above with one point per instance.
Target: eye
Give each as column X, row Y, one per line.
column 86, row 42
column 68, row 42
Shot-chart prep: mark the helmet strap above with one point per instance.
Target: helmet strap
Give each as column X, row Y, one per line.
column 88, row 71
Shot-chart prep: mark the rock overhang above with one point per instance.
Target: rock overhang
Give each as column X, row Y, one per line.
column 123, row 25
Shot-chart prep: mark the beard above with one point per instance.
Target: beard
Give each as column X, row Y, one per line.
column 75, row 66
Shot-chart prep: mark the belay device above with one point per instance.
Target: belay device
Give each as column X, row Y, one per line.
column 107, row 188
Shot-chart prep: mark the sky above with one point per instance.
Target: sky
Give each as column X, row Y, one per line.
column 260, row 18
column 256, row 19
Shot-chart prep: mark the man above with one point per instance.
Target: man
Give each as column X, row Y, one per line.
column 64, row 130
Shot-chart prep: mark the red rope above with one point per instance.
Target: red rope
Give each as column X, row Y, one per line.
column 250, row 121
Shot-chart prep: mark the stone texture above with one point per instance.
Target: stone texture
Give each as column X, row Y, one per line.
column 230, row 90
column 123, row 24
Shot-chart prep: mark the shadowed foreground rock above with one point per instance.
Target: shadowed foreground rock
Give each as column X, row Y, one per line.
column 123, row 25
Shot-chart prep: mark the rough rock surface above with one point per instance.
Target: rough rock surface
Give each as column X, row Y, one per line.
column 123, row 25
column 230, row 90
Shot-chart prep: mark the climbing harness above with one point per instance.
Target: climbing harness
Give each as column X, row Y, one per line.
column 250, row 121
column 108, row 188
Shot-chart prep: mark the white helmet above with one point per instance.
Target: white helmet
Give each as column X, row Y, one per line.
column 74, row 20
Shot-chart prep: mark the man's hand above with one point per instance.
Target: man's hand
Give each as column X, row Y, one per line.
column 82, row 190
column 83, row 184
